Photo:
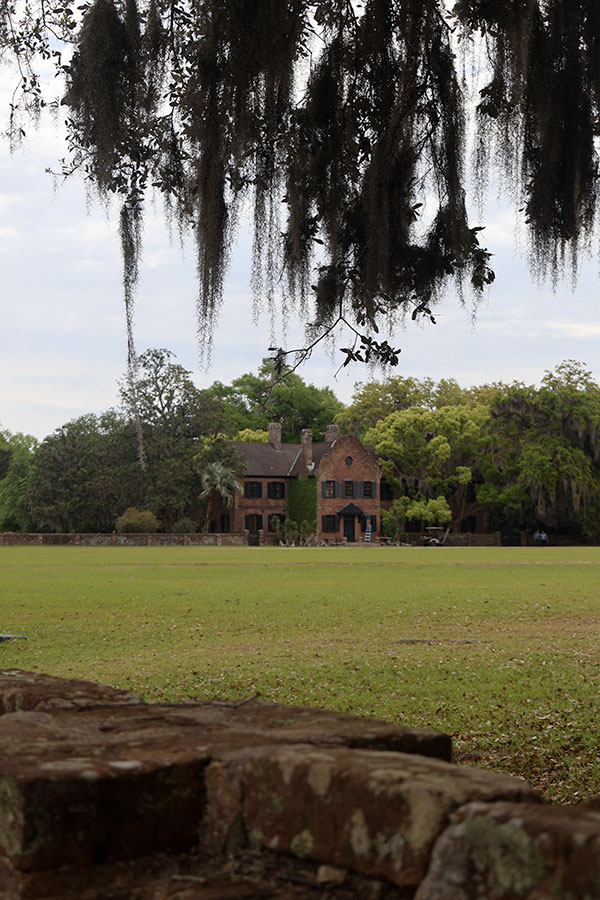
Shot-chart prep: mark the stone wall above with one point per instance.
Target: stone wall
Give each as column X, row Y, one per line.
column 459, row 539
column 104, row 797
column 235, row 540
column 123, row 540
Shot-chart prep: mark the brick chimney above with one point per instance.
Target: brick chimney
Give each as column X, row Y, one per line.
column 306, row 440
column 332, row 433
column 274, row 431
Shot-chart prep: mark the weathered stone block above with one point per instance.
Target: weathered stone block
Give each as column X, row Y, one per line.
column 68, row 794
column 273, row 723
column 21, row 690
column 84, row 782
column 375, row 813
column 505, row 851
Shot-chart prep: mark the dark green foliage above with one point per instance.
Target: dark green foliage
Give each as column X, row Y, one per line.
column 137, row 521
column 71, row 486
column 252, row 401
column 302, row 501
column 544, row 452
column 219, row 486
column 185, row 526
column 338, row 122
column 87, row 472
column 17, row 454
column 178, row 421
column 5, row 458
column 539, row 110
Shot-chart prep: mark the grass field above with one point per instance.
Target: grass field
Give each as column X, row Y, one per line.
column 499, row 647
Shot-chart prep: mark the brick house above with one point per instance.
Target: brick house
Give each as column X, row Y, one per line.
column 344, row 473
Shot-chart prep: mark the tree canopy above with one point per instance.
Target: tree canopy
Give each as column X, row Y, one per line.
column 252, row 401
column 517, row 456
column 341, row 126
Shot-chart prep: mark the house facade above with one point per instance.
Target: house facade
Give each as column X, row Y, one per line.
column 339, row 472
column 339, row 476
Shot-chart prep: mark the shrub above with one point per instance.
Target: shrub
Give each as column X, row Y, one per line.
column 140, row 521
column 185, row 525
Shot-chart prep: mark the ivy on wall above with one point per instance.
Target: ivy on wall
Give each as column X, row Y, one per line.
column 302, row 500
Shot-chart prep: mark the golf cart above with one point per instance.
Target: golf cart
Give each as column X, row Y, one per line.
column 435, row 536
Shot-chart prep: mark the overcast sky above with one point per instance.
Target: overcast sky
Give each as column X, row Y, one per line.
column 62, row 339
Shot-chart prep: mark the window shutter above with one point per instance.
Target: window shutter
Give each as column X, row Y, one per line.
column 259, row 522
column 361, row 492
column 336, row 489
column 374, row 489
column 323, row 523
column 323, row 489
column 259, row 489
column 373, row 523
column 282, row 490
column 269, row 489
column 354, row 488
column 246, row 492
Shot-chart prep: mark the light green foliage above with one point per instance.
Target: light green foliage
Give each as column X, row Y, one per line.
column 495, row 646
column 430, row 453
column 137, row 521
column 532, row 454
column 434, row 511
column 393, row 520
column 375, row 400
column 256, row 435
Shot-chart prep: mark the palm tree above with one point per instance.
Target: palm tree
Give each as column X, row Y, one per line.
column 219, row 485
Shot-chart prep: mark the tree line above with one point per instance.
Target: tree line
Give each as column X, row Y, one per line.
column 524, row 455
column 85, row 474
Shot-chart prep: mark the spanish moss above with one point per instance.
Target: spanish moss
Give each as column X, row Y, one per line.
column 337, row 130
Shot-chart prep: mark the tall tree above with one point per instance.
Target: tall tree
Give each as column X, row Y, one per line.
column 175, row 418
column 544, row 452
column 432, row 453
column 255, row 400
column 375, row 400
column 71, row 484
column 16, row 455
column 350, row 116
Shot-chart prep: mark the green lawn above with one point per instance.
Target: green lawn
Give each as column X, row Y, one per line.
column 499, row 646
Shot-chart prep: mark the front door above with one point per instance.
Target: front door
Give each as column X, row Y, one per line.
column 349, row 528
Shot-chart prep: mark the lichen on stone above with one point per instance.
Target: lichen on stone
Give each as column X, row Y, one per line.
column 359, row 833
column 302, row 844
column 511, row 859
